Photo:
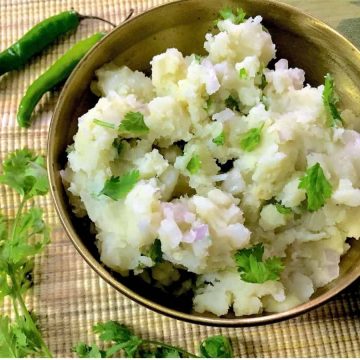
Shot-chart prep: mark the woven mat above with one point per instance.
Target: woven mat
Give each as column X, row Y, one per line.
column 68, row 296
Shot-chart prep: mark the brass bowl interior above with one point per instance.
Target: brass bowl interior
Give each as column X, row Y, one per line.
column 306, row 42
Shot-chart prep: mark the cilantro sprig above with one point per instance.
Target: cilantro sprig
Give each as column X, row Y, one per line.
column 254, row 269
column 330, row 100
column 194, row 165
column 124, row 340
column 132, row 123
column 251, row 139
column 21, row 239
column 220, row 139
column 237, row 17
column 117, row 187
column 318, row 188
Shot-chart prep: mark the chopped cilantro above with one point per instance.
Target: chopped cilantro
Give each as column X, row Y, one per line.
column 220, row 139
column 217, row 346
column 198, row 58
column 155, row 252
column 282, row 209
column 264, row 82
column 104, row 124
column 133, row 122
column 330, row 100
column 243, row 73
column 254, row 269
column 117, row 187
column 232, row 103
column 251, row 139
column 237, row 18
column 194, row 165
column 317, row 187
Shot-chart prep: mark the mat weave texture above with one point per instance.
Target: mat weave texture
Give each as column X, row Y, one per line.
column 68, row 296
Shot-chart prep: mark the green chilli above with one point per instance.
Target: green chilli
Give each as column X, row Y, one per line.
column 52, row 77
column 39, row 37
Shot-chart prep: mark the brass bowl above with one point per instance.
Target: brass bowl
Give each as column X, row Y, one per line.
column 305, row 41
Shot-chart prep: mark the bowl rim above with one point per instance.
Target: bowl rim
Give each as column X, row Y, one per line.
column 99, row 268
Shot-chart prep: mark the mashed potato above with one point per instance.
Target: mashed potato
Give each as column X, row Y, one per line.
column 220, row 145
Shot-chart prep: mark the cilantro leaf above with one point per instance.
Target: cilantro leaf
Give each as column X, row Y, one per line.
column 198, row 58
column 220, row 139
column 232, row 103
column 194, row 165
column 117, row 187
column 254, row 269
column 155, row 252
column 217, row 346
column 317, row 187
column 89, row 351
column 330, row 100
column 104, row 124
column 133, row 122
column 243, row 73
column 25, row 173
column 237, row 18
column 113, row 331
column 251, row 139
column 282, row 209
column 17, row 249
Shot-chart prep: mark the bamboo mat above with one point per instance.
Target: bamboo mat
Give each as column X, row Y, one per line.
column 68, row 296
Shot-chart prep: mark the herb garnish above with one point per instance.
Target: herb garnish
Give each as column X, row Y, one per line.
column 237, row 18
column 133, row 122
column 251, row 139
column 254, row 269
column 117, row 187
column 317, row 187
column 194, row 165
column 123, row 339
column 26, row 174
column 243, row 73
column 330, row 100
column 220, row 139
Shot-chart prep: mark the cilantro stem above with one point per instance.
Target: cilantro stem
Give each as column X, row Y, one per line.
column 28, row 317
column 16, row 288
column 182, row 351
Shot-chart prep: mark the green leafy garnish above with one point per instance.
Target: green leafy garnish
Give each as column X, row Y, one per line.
column 25, row 173
column 254, row 269
column 330, row 100
column 220, row 139
column 194, row 165
column 282, row 209
column 198, row 58
column 251, row 139
column 124, row 340
column 20, row 240
column 237, row 18
column 155, row 252
column 89, row 351
column 104, row 124
column 133, row 122
column 118, row 145
column 243, row 73
column 317, row 187
column 232, row 103
column 264, row 82
column 117, row 187
column 217, row 346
